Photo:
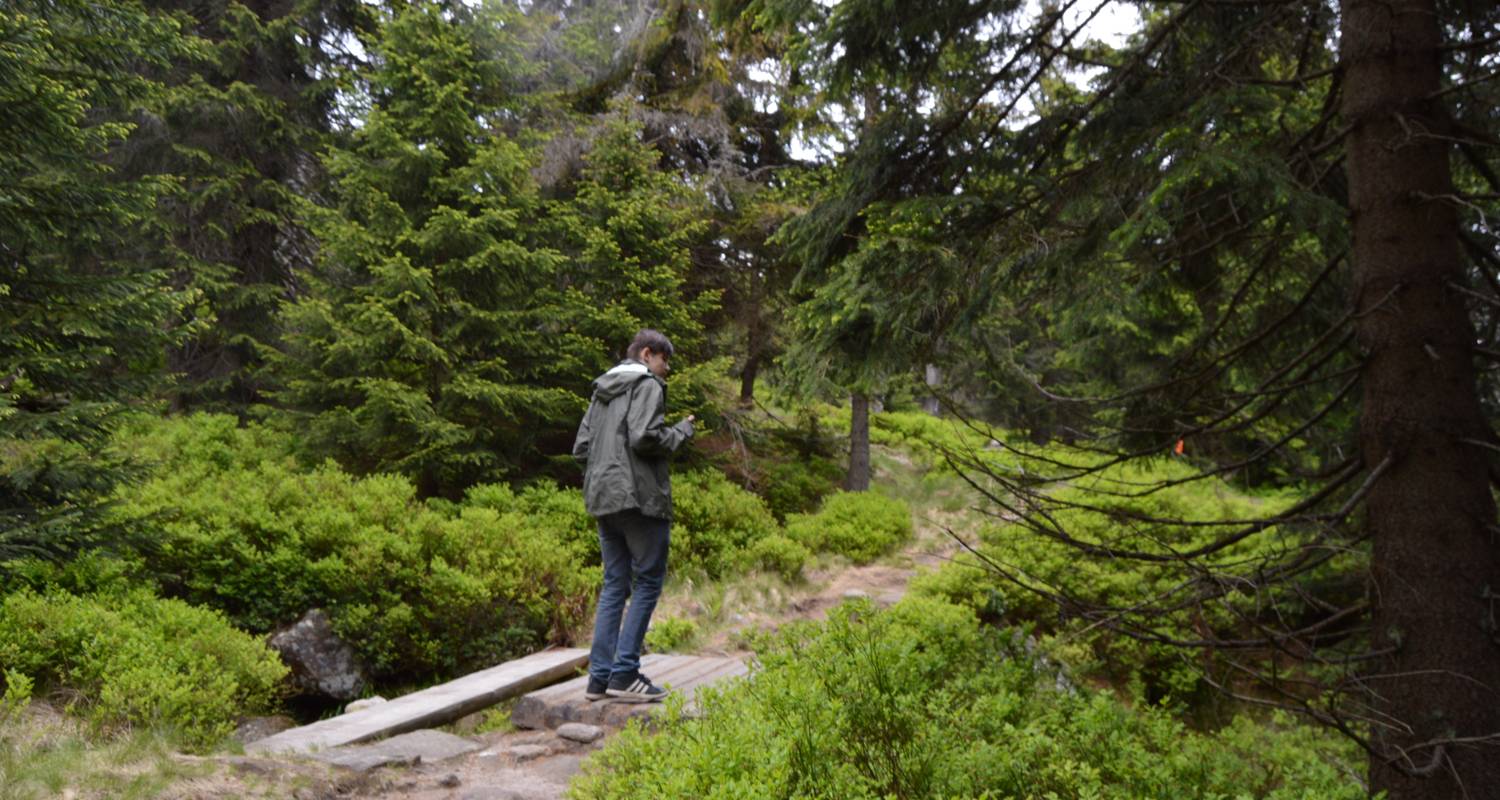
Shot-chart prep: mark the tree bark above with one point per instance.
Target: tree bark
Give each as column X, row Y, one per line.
column 747, row 378
column 859, row 443
column 1435, row 564
column 755, row 344
column 934, row 378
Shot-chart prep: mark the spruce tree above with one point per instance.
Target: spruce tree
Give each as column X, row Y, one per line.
column 457, row 316
column 1170, row 247
column 241, row 126
column 420, row 348
column 83, row 314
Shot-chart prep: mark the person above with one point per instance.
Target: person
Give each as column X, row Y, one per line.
column 625, row 444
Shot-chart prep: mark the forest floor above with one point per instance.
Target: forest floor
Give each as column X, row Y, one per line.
column 514, row 764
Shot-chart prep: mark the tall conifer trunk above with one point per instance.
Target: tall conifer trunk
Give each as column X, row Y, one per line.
column 1430, row 515
column 858, row 479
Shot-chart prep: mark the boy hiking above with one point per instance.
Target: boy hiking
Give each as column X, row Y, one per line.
column 625, row 444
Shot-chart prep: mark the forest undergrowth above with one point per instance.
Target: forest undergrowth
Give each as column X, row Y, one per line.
column 964, row 686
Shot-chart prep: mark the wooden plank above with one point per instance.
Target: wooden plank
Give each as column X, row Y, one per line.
column 564, row 702
column 433, row 706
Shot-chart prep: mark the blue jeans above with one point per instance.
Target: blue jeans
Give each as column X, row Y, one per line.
column 634, row 547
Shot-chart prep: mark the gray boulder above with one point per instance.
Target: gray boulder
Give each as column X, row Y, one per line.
column 579, row 732
column 321, row 662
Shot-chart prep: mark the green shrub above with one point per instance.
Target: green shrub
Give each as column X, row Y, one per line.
column 135, row 658
column 920, row 702
column 860, row 525
column 781, row 555
column 671, row 634
column 797, row 486
column 419, row 590
column 964, row 581
column 1153, row 671
column 18, row 689
column 714, row 523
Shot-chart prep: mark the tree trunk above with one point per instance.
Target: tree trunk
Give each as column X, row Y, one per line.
column 755, row 347
column 859, row 443
column 757, row 329
column 747, row 378
column 1436, row 565
column 934, row 378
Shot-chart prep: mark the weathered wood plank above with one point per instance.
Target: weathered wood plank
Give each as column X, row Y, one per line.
column 433, row 706
column 564, row 702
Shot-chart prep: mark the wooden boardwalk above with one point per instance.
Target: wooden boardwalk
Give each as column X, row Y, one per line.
column 564, row 702
column 434, row 706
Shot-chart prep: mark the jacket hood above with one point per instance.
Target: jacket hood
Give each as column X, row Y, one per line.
column 618, row 380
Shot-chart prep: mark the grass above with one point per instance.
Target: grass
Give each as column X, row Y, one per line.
column 47, row 755
column 44, row 754
column 721, row 614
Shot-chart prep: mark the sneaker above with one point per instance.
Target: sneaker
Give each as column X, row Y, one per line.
column 635, row 688
column 597, row 689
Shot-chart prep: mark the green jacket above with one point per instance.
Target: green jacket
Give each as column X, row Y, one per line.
column 624, row 443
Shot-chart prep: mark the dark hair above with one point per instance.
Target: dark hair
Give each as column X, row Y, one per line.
column 651, row 340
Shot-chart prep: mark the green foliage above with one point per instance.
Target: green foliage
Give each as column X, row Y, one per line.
column 860, row 525
column 780, row 554
column 83, row 319
column 422, row 348
column 626, row 228
column 419, row 590
column 798, row 485
column 18, row 689
column 456, row 315
column 1112, row 509
column 239, row 128
column 714, row 523
column 919, row 702
column 671, row 634
column 963, row 581
column 134, row 658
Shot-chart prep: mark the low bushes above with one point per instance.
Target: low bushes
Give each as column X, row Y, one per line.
column 860, row 525
column 420, row 590
column 715, row 523
column 720, row 528
column 1112, row 508
column 134, row 658
column 781, row 555
column 797, row 485
column 425, row 590
column 921, row 702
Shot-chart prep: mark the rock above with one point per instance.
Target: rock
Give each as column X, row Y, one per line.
column 256, row 728
column 856, row 594
column 450, row 781
column 417, row 747
column 526, row 752
column 579, row 732
column 321, row 662
column 359, row 705
column 469, row 724
column 360, row 760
